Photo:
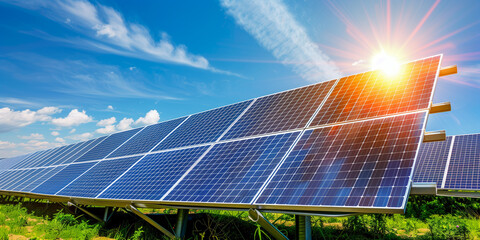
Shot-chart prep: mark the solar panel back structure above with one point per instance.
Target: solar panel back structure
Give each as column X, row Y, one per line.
column 207, row 135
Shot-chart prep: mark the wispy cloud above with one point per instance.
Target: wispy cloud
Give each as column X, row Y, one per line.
column 275, row 28
column 106, row 29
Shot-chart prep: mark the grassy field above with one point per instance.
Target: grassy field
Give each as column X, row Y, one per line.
column 425, row 218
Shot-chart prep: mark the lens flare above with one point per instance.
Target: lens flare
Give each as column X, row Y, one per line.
column 386, row 63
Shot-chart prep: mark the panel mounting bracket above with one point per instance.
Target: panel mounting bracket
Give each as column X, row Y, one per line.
column 434, row 136
column 257, row 217
column 440, row 107
column 86, row 211
column 424, row 188
column 151, row 221
column 448, row 71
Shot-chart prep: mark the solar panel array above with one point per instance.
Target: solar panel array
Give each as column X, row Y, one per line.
column 453, row 164
column 347, row 144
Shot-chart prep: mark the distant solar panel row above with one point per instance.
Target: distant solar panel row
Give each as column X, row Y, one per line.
column 343, row 144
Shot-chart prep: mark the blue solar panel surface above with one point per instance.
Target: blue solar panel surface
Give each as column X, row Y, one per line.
column 92, row 182
column 26, row 179
column 233, row 172
column 53, row 157
column 32, row 158
column 361, row 164
column 464, row 168
column 281, row 111
column 203, row 127
column 148, row 138
column 431, row 163
column 152, row 176
column 8, row 163
column 108, row 145
column 62, row 178
column 41, row 177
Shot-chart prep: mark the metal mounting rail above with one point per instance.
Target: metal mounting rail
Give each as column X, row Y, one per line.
column 257, row 217
column 151, row 221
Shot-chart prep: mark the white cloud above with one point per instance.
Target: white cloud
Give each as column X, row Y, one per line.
column 59, row 139
column 81, row 137
column 125, row 124
column 74, row 118
column 33, row 136
column 73, row 130
column 110, row 107
column 106, row 122
column 36, row 145
column 274, row 27
column 108, row 31
column 151, row 117
column 55, row 133
column 6, row 145
column 106, row 130
column 11, row 119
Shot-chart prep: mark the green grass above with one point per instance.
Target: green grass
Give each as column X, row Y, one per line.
column 425, row 218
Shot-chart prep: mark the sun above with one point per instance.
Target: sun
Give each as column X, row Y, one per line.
column 388, row 64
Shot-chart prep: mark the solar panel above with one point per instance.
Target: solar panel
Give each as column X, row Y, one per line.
column 62, row 178
column 233, row 172
column 282, row 111
column 203, row 127
column 23, row 181
column 7, row 176
column 148, row 138
column 464, row 169
column 431, row 163
column 108, row 145
column 54, row 156
column 32, row 158
column 372, row 94
column 152, row 176
column 7, row 163
column 357, row 165
column 92, row 182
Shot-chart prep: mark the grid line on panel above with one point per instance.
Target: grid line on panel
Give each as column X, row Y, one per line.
column 448, row 163
column 232, row 172
column 282, row 111
column 464, row 168
column 203, row 127
column 25, row 180
column 33, row 157
column 360, row 164
column 373, row 94
column 55, row 156
column 153, row 175
column 90, row 144
column 61, row 178
column 75, row 148
column 108, row 145
column 431, row 162
column 94, row 180
column 8, row 163
column 121, row 175
column 147, row 139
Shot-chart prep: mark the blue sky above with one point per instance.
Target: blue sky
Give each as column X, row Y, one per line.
column 73, row 70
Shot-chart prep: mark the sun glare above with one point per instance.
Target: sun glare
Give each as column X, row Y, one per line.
column 386, row 63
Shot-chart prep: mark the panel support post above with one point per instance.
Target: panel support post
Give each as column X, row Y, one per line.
column 257, row 217
column 86, row 211
column 303, row 225
column 151, row 221
column 105, row 215
column 182, row 219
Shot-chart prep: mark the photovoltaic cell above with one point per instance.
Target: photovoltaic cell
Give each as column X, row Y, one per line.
column 374, row 94
column 7, row 177
column 53, row 157
column 26, row 178
column 282, row 111
column 430, row 165
column 107, row 146
column 233, row 172
column 363, row 164
column 203, row 127
column 84, row 148
column 62, row 178
column 153, row 176
column 148, row 138
column 41, row 177
column 98, row 178
column 464, row 168
column 7, row 163
column 32, row 158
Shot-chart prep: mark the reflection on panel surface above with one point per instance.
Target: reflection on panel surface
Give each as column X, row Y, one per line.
column 372, row 94
column 233, row 172
column 362, row 164
column 281, row 111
